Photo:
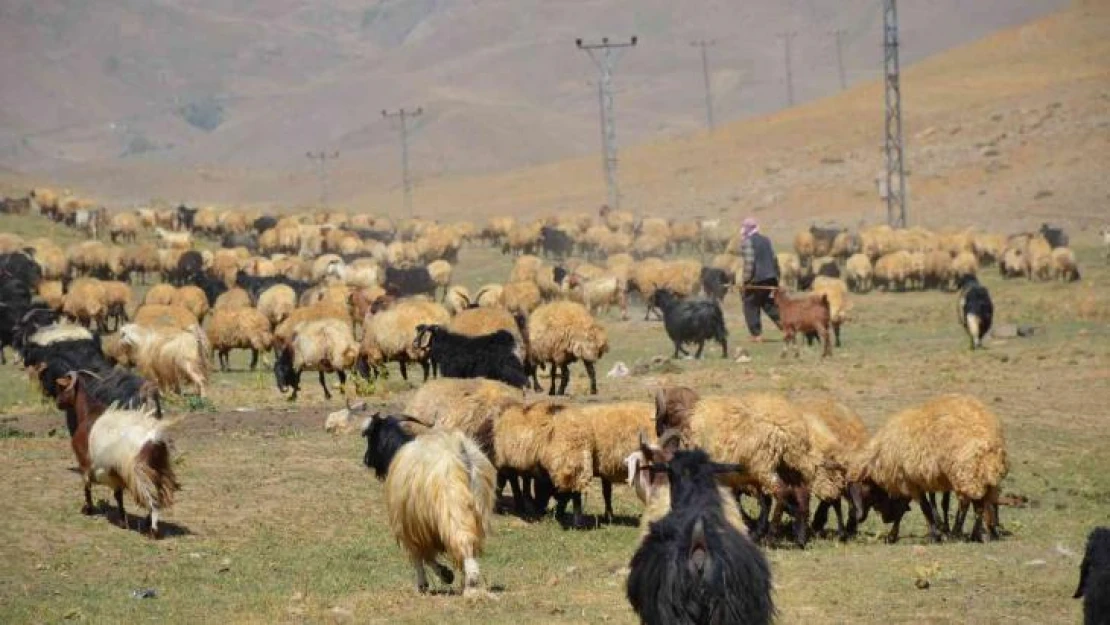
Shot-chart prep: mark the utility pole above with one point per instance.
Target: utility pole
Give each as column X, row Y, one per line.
column 403, row 119
column 787, row 38
column 605, row 55
column 839, row 34
column 894, row 146
column 704, row 45
column 322, row 159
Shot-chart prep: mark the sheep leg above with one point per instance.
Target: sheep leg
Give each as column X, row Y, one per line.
column 607, row 495
column 825, row 340
column 564, row 372
column 930, row 517
column 222, row 356
column 945, row 500
column 892, row 537
column 977, row 528
column 553, row 374
column 821, row 516
column 701, row 346
column 576, row 499
column 592, row 373
column 426, row 368
column 761, row 523
column 961, row 516
column 724, row 346
column 841, row 532
column 404, row 371
column 444, row 573
column 324, row 385
column 152, row 524
column 471, row 577
column 421, row 575
column 254, row 359
column 801, row 515
column 836, row 331
column 122, row 512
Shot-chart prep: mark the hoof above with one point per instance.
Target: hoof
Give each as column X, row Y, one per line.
column 88, row 510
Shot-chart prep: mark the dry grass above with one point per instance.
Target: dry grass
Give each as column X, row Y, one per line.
column 279, row 522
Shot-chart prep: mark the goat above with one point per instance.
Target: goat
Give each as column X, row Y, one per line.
column 715, row 282
column 693, row 566
column 801, row 316
column 1094, row 578
column 976, row 311
column 457, row 356
column 403, row 282
column 691, row 321
column 122, row 449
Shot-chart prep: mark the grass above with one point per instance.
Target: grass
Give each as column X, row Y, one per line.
column 278, row 521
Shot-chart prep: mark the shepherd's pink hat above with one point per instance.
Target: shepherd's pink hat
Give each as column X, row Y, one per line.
column 749, row 227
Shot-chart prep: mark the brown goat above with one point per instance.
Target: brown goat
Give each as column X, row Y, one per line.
column 803, row 315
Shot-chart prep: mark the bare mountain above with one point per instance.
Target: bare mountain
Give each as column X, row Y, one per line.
column 126, row 95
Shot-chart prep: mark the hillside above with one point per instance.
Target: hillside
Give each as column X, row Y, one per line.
column 204, row 98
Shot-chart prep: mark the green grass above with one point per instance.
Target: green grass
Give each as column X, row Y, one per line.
column 279, row 522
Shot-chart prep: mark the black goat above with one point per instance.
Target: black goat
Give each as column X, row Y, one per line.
column 693, row 566
column 247, row 240
column 715, row 282
column 403, row 282
column 691, row 321
column 189, row 264
column 555, row 242
column 21, row 267
column 264, row 223
column 254, row 285
column 976, row 309
column 185, row 216
column 384, row 437
column 1055, row 236
column 213, row 287
column 1094, row 578
column 490, row 356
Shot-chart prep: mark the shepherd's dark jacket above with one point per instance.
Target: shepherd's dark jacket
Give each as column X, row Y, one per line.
column 760, row 263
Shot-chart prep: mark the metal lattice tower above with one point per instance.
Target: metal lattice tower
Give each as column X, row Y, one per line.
column 704, row 45
column 322, row 159
column 605, row 55
column 839, row 35
column 894, row 146
column 787, row 38
column 404, row 119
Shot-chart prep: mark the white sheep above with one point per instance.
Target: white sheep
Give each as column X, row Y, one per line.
column 167, row 355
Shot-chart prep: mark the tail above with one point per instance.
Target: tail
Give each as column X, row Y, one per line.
column 972, row 325
column 480, row 478
column 204, row 348
column 151, row 480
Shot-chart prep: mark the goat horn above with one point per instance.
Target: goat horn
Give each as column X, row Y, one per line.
column 87, row 372
column 417, row 421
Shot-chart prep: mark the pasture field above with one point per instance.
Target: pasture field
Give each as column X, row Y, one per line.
column 278, row 521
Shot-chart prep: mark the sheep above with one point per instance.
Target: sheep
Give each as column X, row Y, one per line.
column 489, row 296
column 277, row 303
column 488, row 356
column 764, row 432
column 1039, row 257
column 86, row 303
column 976, row 311
column 242, row 328
column 790, row 269
column 359, row 274
column 142, row 261
column 681, row 277
column 938, row 270
column 193, row 299
column 836, row 294
column 836, row 434
column 438, row 494
column 160, row 294
column 613, row 429
column 1013, row 264
column 51, row 292
column 803, row 315
column 1094, row 578
column 691, row 321
column 1064, row 266
column 390, row 335
column 174, row 240
column 521, row 297
column 156, row 315
column 50, row 258
column 539, row 439
column 469, row 405
column 168, row 356
column 321, row 345
column 117, row 300
column 599, row 294
column 232, row 299
column 457, row 299
column 964, row 264
column 892, row 271
column 560, row 333
column 124, row 449
column 693, row 566
column 951, row 443
column 858, row 273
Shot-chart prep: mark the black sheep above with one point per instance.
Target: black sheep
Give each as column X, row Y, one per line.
column 1094, row 578
column 189, row 264
column 976, row 309
column 555, row 242
column 185, row 216
column 693, row 566
column 691, row 321
column 254, row 285
column 246, row 240
column 264, row 223
column 490, row 356
column 403, row 282
column 715, row 282
column 1055, row 236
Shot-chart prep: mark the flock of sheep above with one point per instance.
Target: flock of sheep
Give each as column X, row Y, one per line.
column 347, row 294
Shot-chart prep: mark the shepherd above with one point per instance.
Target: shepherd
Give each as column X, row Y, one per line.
column 761, row 278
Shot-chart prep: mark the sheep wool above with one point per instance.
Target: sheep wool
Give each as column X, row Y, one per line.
column 468, row 405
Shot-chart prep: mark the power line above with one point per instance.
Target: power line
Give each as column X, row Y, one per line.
column 605, row 55
column 787, row 38
column 839, row 34
column 403, row 119
column 704, row 45
column 322, row 159
column 894, row 146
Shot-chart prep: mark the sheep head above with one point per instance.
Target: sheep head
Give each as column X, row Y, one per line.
column 672, row 408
